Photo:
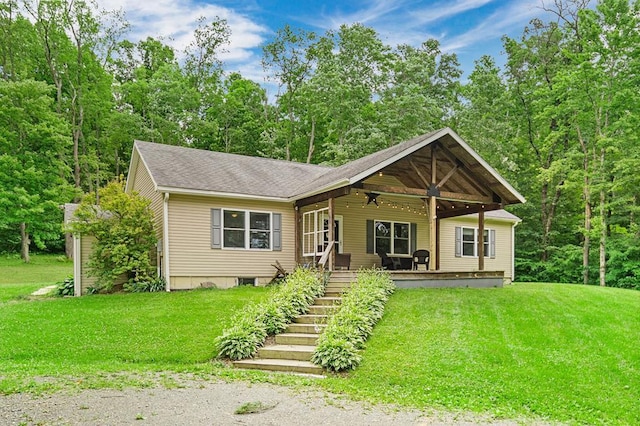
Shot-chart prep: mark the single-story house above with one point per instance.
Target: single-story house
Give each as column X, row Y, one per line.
column 225, row 219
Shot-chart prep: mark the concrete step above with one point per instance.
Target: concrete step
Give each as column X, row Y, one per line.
column 306, row 328
column 310, row 319
column 334, row 293
column 341, row 279
column 297, row 339
column 322, row 309
column 332, row 285
column 343, row 273
column 328, row 301
column 287, row 365
column 295, row 352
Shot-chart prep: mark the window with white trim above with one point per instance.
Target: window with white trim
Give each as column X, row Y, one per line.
column 468, row 242
column 244, row 229
column 392, row 237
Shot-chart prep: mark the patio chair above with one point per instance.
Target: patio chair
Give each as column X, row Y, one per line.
column 421, row 257
column 389, row 263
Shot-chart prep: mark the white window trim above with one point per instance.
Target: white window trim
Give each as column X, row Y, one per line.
column 475, row 241
column 315, row 236
column 247, row 229
column 393, row 250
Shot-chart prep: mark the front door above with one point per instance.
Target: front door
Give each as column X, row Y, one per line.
column 337, row 237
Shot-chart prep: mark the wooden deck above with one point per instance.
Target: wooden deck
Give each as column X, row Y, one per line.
column 441, row 279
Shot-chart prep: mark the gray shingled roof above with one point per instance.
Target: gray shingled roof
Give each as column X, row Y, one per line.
column 495, row 214
column 354, row 168
column 198, row 170
column 194, row 169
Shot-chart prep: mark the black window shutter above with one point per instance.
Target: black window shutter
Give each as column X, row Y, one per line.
column 216, row 228
column 277, row 232
column 414, row 238
column 370, row 236
column 492, row 243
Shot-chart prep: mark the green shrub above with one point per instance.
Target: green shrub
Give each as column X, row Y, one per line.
column 255, row 322
column 337, row 353
column 273, row 318
column 66, row 287
column 149, row 286
column 241, row 341
column 348, row 329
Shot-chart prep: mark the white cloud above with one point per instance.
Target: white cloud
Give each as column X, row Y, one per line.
column 504, row 20
column 174, row 22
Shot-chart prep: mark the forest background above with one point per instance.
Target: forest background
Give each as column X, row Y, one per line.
column 560, row 120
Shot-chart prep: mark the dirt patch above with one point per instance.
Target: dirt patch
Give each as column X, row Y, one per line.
column 199, row 402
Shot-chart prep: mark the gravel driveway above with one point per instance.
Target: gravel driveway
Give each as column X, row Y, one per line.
column 199, row 402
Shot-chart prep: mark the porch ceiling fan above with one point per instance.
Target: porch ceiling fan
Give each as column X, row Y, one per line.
column 372, row 197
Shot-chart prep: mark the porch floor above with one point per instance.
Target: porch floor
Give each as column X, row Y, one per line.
column 447, row 279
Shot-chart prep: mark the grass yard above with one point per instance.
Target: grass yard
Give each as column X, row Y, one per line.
column 119, row 332
column 560, row 352
column 21, row 279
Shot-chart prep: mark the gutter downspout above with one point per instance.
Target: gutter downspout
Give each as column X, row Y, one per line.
column 77, row 266
column 165, row 240
column 513, row 251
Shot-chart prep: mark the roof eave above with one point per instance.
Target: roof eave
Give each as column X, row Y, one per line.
column 374, row 169
column 335, row 185
column 484, row 164
column 205, row 193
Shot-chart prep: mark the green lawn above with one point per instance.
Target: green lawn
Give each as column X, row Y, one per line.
column 21, row 279
column 551, row 351
column 562, row 352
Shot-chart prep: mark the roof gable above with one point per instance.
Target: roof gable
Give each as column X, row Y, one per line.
column 188, row 170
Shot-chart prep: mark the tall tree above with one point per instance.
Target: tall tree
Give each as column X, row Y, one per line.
column 32, row 176
column 290, row 60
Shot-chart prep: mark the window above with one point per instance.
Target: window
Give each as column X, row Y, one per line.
column 245, row 229
column 315, row 232
column 467, row 242
column 392, row 237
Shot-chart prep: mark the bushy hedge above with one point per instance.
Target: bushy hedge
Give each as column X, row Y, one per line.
column 252, row 325
column 348, row 329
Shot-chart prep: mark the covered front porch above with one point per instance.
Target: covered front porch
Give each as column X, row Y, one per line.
column 398, row 201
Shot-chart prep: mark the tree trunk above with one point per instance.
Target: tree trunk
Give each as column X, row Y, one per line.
column 586, row 194
column 24, row 242
column 603, row 230
column 311, row 140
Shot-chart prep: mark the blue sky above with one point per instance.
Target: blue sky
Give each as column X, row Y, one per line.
column 469, row 28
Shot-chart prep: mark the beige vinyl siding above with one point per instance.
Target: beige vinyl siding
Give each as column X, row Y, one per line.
column 86, row 247
column 193, row 263
column 355, row 218
column 143, row 185
column 502, row 260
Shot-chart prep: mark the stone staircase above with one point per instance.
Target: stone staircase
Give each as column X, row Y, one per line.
column 293, row 349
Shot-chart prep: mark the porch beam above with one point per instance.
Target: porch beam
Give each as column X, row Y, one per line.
column 447, row 176
column 463, row 170
column 335, row 193
column 469, row 198
column 481, row 240
column 419, row 173
column 456, row 196
column 461, row 211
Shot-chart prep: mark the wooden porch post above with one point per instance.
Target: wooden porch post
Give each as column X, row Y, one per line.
column 437, row 259
column 481, row 240
column 332, row 232
column 433, row 248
